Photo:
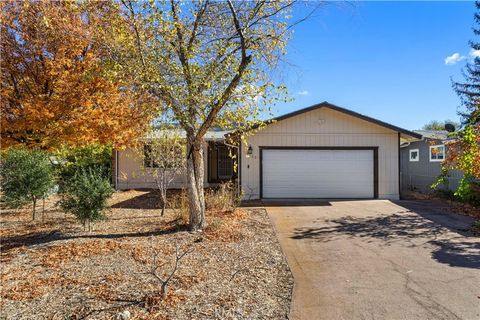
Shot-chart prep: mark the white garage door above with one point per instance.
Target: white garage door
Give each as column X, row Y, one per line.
column 317, row 173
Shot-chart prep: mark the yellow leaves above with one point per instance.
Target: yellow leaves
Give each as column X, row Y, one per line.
column 45, row 21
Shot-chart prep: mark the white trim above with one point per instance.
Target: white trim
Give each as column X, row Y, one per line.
column 430, row 153
column 410, row 155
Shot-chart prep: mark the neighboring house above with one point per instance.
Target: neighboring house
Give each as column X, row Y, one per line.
column 323, row 151
column 421, row 162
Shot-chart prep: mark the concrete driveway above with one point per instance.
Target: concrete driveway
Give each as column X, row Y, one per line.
column 379, row 260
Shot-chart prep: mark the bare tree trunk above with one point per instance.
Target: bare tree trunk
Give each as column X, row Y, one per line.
column 34, row 200
column 164, row 290
column 43, row 209
column 195, row 176
column 163, row 190
column 163, row 194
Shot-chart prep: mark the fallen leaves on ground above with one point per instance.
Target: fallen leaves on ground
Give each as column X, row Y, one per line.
column 54, row 269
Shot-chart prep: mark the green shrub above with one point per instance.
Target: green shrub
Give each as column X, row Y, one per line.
column 26, row 176
column 442, row 180
column 468, row 191
column 96, row 157
column 85, row 195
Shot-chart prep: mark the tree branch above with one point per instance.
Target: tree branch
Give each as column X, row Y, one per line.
column 245, row 61
column 129, row 6
column 198, row 18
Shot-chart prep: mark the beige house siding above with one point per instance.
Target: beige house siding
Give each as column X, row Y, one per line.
column 324, row 128
column 132, row 175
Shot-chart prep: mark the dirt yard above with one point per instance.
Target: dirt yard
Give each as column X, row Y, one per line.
column 56, row 270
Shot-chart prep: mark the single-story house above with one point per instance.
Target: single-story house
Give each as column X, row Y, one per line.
column 323, row 151
column 421, row 162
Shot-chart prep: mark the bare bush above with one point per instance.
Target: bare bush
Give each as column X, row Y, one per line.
column 164, row 278
column 179, row 205
column 164, row 159
column 224, row 198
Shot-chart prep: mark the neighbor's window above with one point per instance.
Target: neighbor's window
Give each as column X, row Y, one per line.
column 414, row 155
column 437, row 153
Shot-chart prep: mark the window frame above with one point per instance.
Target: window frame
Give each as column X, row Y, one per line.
column 410, row 151
column 430, row 153
column 150, row 163
column 147, row 158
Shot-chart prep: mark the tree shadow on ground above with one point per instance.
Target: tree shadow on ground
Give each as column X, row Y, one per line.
column 389, row 228
column 146, row 201
column 447, row 235
column 42, row 238
column 150, row 199
column 457, row 254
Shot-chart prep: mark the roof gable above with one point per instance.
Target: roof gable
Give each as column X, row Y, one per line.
column 347, row 112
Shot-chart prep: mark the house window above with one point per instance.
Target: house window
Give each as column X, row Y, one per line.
column 147, row 157
column 166, row 156
column 414, row 155
column 224, row 163
column 437, row 153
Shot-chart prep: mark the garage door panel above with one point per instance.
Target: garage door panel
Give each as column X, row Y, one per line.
column 317, row 173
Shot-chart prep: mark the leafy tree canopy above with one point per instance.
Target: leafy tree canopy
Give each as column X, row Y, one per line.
column 464, row 153
column 26, row 176
column 57, row 84
column 208, row 63
column 440, row 125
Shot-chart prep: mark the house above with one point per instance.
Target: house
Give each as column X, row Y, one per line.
column 132, row 169
column 421, row 162
column 323, row 151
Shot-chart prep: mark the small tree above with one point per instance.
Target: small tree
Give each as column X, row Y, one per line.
column 26, row 176
column 209, row 63
column 164, row 280
column 165, row 157
column 85, row 195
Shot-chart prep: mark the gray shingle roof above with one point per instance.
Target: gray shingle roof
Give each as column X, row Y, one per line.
column 433, row 134
column 211, row 135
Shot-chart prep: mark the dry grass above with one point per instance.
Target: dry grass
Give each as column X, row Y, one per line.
column 55, row 270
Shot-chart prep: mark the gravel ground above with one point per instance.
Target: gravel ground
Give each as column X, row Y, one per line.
column 55, row 270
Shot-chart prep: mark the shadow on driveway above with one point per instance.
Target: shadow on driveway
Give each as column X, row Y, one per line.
column 448, row 234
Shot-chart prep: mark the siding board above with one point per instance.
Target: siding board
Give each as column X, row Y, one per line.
column 337, row 129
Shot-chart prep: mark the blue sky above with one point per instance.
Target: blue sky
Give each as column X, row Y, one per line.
column 382, row 59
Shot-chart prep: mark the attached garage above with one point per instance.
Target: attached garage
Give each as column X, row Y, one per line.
column 323, row 151
column 318, row 173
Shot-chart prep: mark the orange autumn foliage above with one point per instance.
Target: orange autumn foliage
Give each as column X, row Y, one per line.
column 56, row 88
